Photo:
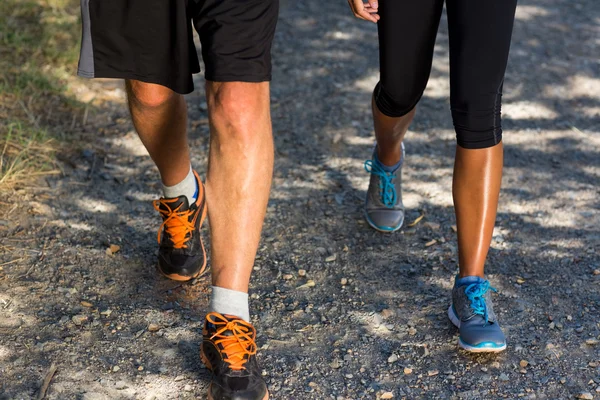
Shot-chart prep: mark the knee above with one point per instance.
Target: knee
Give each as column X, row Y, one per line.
column 149, row 95
column 477, row 122
column 395, row 102
column 238, row 110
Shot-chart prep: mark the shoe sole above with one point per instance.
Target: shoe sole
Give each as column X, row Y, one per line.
column 202, row 270
column 473, row 349
column 209, row 367
column 383, row 230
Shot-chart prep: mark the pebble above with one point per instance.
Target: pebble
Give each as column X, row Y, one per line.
column 596, row 272
column 523, row 363
column 153, row 328
column 503, row 377
column 344, row 281
column 86, row 304
column 287, row 277
column 592, row 342
column 579, row 329
column 412, row 331
column 387, row 395
column 301, row 272
column 408, row 371
column 331, row 258
column 116, row 368
column 187, row 388
column 433, row 372
column 335, row 364
column 585, row 396
column 120, row 385
column 393, row 358
column 79, row 319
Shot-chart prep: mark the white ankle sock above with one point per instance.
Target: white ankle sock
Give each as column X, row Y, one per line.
column 231, row 302
column 188, row 187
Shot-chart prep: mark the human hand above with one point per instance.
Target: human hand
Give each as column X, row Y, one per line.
column 366, row 11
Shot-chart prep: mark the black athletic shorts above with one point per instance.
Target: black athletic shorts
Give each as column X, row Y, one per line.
column 151, row 40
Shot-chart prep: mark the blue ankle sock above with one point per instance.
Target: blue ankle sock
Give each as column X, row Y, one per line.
column 387, row 168
column 467, row 280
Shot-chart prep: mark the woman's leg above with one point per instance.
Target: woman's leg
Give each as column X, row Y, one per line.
column 407, row 31
column 480, row 34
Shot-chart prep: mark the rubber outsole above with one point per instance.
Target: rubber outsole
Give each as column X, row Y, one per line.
column 202, row 270
column 491, row 348
column 266, row 397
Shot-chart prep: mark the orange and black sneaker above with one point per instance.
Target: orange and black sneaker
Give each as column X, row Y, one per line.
column 229, row 351
column 181, row 255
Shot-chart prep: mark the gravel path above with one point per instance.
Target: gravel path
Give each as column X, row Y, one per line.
column 343, row 312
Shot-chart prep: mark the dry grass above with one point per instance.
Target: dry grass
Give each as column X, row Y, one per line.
column 39, row 41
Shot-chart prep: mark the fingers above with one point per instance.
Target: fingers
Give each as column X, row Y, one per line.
column 365, row 11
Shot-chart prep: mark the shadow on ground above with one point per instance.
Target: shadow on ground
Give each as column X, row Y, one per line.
column 66, row 301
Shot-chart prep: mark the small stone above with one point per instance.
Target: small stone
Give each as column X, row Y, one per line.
column 310, row 283
column 579, row 329
column 179, row 378
column 596, row 272
column 503, row 377
column 86, row 304
column 301, row 272
column 106, row 313
column 140, row 368
column 563, row 380
column 153, row 328
column 187, row 388
column 116, row 368
column 79, row 319
column 592, row 342
column 433, row 372
column 387, row 313
column 114, row 248
column 407, row 371
column 287, row 277
column 430, row 243
column 585, row 396
column 344, row 281
column 551, row 325
column 331, row 258
column 523, row 363
column 598, row 389
column 569, row 318
column 520, row 280
column 387, row 395
column 412, row 331
column 495, row 364
column 393, row 358
column 120, row 385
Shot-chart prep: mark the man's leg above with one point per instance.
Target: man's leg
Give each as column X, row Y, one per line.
column 239, row 177
column 237, row 190
column 160, row 119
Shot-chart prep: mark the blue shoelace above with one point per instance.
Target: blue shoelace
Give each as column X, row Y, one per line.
column 387, row 189
column 475, row 293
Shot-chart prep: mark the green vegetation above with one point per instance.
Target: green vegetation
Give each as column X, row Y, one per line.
column 39, row 44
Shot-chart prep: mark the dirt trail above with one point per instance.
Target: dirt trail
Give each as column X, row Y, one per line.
column 374, row 321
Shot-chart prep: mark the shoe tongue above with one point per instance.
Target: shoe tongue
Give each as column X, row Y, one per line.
column 175, row 202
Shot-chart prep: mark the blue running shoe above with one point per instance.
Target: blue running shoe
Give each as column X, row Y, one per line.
column 473, row 314
column 384, row 210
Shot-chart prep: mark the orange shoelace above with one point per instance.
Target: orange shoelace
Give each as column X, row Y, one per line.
column 177, row 223
column 236, row 345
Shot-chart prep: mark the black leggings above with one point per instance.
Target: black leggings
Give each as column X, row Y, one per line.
column 479, row 32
